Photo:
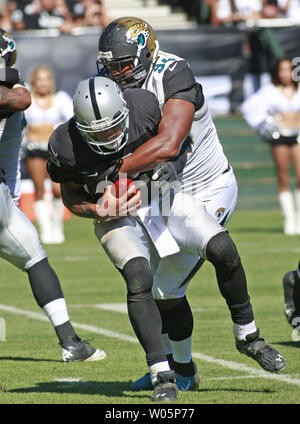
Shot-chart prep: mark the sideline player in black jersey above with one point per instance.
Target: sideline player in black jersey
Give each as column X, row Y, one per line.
column 106, row 127
column 19, row 241
column 129, row 54
column 291, row 292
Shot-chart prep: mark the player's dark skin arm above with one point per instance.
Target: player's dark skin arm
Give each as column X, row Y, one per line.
column 14, row 99
column 78, row 201
column 174, row 126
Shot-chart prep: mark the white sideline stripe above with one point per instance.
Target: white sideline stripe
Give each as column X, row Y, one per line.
column 224, row 363
column 237, row 377
column 115, row 307
column 91, row 328
column 122, row 307
column 252, row 371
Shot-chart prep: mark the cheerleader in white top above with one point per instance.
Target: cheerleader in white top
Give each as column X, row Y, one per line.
column 48, row 109
column 274, row 111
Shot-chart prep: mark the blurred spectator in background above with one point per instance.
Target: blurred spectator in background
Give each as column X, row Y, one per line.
column 270, row 9
column 48, row 109
column 64, row 15
column 96, row 14
column 290, row 8
column 77, row 10
column 22, row 14
column 5, row 22
column 225, row 12
column 274, row 111
column 264, row 47
column 40, row 14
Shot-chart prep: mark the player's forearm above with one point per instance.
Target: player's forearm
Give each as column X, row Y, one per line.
column 175, row 125
column 77, row 201
column 83, row 210
column 14, row 99
column 157, row 149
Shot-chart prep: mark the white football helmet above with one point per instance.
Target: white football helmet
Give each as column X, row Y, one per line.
column 101, row 115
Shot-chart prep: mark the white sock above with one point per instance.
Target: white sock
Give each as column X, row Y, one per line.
column 182, row 351
column 57, row 222
column 167, row 348
column 57, row 311
column 43, row 216
column 156, row 368
column 241, row 331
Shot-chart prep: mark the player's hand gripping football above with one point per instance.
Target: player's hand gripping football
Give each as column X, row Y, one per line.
column 120, row 199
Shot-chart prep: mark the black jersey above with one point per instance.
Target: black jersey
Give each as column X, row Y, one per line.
column 72, row 160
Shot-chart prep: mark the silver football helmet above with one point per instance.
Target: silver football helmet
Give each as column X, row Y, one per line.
column 101, row 115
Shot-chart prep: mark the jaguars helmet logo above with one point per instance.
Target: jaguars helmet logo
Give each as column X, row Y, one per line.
column 8, row 50
column 138, row 33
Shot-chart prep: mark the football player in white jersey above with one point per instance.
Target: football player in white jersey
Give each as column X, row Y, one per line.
column 129, row 54
column 19, row 241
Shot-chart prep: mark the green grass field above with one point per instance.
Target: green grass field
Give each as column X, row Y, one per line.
column 30, row 367
column 31, row 371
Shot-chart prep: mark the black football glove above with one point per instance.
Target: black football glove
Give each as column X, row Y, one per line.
column 2, row 175
column 164, row 171
column 8, row 76
column 169, row 171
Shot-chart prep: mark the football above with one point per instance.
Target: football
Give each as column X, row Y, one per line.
column 122, row 185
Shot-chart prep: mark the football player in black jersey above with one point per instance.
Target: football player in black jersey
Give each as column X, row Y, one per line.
column 19, row 241
column 129, row 54
column 106, row 127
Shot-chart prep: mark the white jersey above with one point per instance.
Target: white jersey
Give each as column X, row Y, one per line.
column 10, row 140
column 172, row 78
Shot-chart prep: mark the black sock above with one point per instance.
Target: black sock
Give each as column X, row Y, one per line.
column 178, row 320
column 171, row 361
column 66, row 334
column 142, row 308
column 44, row 283
column 186, row 370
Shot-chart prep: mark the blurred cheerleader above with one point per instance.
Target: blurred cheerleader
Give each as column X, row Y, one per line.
column 274, row 111
column 48, row 109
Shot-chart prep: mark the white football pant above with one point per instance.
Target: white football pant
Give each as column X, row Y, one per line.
column 19, row 241
column 193, row 221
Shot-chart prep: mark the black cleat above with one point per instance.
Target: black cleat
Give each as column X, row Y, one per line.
column 80, row 350
column 290, row 312
column 264, row 354
column 165, row 388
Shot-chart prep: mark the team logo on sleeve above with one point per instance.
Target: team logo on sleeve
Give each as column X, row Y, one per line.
column 219, row 212
column 53, row 156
